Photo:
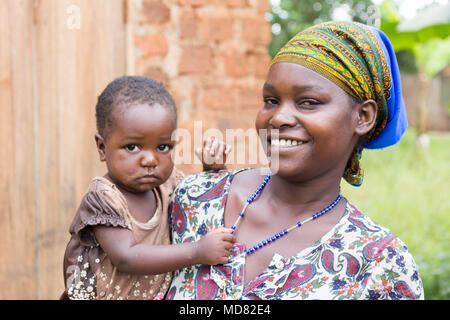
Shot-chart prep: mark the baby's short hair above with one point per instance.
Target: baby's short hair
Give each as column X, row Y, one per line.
column 130, row 90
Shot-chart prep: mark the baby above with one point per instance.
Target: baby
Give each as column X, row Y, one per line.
column 120, row 244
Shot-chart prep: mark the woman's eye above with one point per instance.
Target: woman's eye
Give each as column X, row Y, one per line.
column 270, row 101
column 132, row 148
column 307, row 103
column 164, row 147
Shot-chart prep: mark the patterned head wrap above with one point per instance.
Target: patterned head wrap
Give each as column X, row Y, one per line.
column 359, row 59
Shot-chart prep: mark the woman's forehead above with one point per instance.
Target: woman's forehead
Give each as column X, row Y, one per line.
column 297, row 77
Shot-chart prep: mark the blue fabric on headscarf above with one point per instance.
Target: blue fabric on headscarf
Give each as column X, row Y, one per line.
column 397, row 121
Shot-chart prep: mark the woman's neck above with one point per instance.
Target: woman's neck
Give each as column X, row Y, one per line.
column 302, row 194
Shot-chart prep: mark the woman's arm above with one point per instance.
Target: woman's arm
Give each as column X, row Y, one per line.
column 141, row 258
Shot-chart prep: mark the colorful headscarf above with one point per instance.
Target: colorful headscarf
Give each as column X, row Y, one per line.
column 359, row 59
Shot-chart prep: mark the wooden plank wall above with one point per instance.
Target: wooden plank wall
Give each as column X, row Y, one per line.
column 51, row 73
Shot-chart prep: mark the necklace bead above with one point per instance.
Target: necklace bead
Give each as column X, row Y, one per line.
column 285, row 231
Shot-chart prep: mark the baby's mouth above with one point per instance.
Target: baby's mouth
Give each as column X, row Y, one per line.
column 148, row 178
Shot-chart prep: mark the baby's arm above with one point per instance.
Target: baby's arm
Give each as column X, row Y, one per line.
column 142, row 258
column 213, row 154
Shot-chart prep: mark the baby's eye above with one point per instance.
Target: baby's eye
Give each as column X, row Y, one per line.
column 132, row 147
column 164, row 147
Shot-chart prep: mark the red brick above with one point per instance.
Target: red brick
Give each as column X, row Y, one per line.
column 236, row 65
column 237, row 3
column 188, row 25
column 218, row 98
column 152, row 44
column 194, row 3
column 260, row 63
column 263, row 6
column 256, row 31
column 157, row 74
column 196, row 60
column 216, row 29
column 249, row 98
column 155, row 11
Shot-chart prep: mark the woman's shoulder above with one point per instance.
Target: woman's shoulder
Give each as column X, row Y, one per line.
column 366, row 238
column 364, row 223
column 202, row 181
column 393, row 266
column 378, row 242
column 370, row 232
column 197, row 205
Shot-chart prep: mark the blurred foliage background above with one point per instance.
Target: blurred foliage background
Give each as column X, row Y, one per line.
column 410, row 195
column 288, row 17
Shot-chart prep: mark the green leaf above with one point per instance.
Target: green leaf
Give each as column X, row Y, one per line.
column 389, row 13
column 433, row 56
column 429, row 45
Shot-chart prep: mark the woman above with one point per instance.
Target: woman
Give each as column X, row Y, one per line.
column 331, row 91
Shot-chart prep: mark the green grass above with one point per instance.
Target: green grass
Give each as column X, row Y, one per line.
column 408, row 191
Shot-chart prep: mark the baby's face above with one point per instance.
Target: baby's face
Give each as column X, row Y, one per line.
column 138, row 150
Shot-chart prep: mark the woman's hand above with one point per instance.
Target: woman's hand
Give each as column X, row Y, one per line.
column 214, row 247
column 213, row 154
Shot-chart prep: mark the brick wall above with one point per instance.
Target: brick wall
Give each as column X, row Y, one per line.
column 211, row 54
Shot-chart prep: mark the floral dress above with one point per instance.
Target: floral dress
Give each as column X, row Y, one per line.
column 357, row 259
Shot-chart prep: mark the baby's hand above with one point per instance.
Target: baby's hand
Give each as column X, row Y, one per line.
column 214, row 154
column 214, row 248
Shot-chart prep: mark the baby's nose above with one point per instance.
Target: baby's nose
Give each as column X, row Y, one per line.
column 149, row 159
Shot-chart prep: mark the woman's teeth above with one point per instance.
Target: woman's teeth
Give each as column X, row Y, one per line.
column 285, row 142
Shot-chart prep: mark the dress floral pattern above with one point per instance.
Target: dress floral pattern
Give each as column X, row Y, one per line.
column 357, row 259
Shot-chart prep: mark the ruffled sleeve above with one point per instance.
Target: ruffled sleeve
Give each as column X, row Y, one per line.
column 102, row 204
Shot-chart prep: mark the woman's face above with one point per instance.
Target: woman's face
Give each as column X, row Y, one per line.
column 315, row 121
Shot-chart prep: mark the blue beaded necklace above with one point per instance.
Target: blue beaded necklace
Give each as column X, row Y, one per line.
column 285, row 231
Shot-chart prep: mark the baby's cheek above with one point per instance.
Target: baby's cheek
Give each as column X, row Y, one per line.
column 167, row 166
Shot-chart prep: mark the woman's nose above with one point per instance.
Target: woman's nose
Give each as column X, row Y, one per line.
column 149, row 159
column 283, row 116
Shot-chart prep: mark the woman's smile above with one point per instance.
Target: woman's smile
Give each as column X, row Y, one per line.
column 285, row 143
column 286, row 148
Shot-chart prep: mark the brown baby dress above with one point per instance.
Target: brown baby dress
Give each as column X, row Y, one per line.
column 88, row 272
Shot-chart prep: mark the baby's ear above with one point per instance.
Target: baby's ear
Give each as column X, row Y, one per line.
column 366, row 117
column 101, row 146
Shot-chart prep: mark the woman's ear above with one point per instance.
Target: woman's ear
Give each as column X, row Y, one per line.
column 366, row 117
column 101, row 146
